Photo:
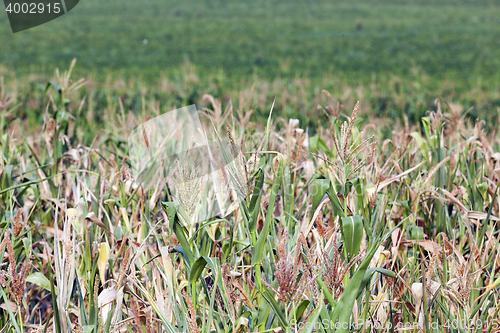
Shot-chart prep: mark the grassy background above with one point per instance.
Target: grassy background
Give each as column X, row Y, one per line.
column 448, row 40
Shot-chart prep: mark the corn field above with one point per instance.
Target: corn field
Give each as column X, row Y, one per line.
column 344, row 230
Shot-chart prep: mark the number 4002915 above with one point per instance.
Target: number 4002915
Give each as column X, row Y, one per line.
column 33, row 8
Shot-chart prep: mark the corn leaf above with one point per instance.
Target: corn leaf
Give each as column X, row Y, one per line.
column 352, row 228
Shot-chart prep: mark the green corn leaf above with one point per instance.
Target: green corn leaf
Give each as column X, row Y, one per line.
column 386, row 272
column 179, row 232
column 9, row 310
column 200, row 264
column 369, row 273
column 320, row 188
column 343, row 308
column 414, row 233
column 39, row 279
column 482, row 188
column 261, row 241
column 326, row 291
column 301, row 308
column 288, row 196
column 84, row 317
column 317, row 145
column 54, row 85
column 352, row 228
column 336, row 203
column 26, row 184
column 88, row 329
column 422, row 144
column 255, row 202
column 197, row 269
column 274, row 305
column 171, row 211
column 310, row 323
column 426, row 121
column 268, row 127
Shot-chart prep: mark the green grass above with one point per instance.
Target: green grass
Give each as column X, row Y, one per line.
column 448, row 40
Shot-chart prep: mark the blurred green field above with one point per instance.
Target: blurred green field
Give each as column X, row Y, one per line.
column 456, row 41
